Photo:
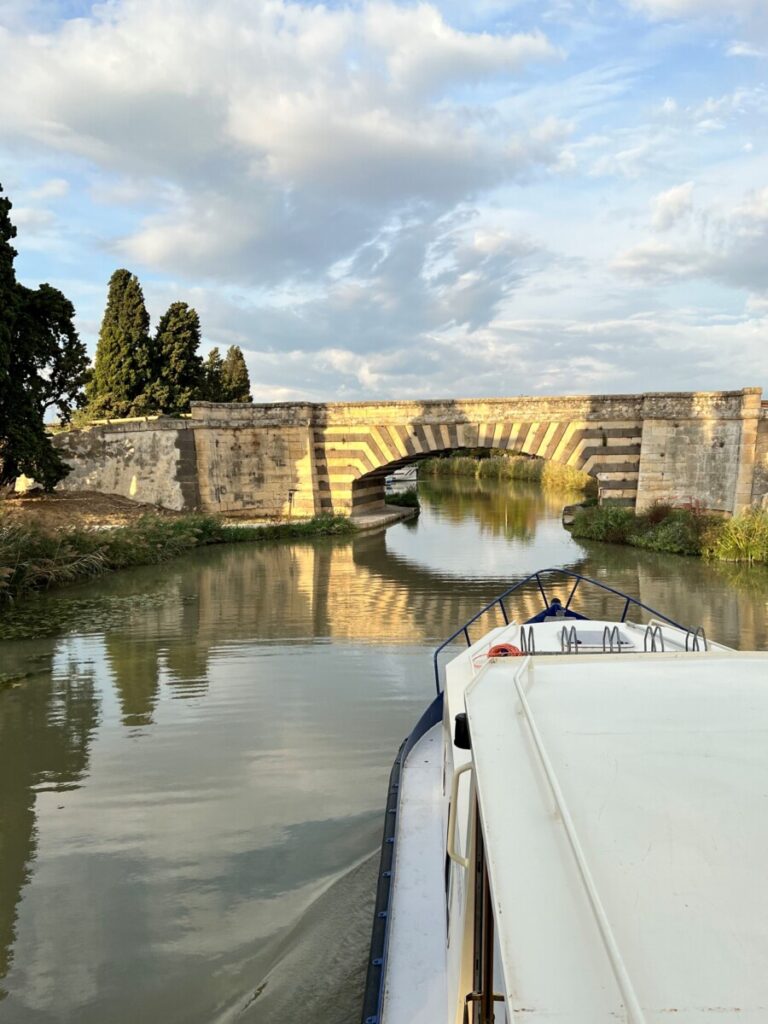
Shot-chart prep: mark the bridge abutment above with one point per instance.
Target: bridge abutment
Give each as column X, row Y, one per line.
column 699, row 449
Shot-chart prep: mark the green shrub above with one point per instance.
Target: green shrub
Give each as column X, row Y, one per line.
column 510, row 467
column 461, row 465
column 679, row 533
column 611, row 523
column 658, row 512
column 744, row 538
column 565, row 478
column 404, row 499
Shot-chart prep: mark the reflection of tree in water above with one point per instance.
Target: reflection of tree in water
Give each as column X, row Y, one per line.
column 220, row 597
column 134, row 664
column 45, row 731
column 508, row 509
column 164, row 638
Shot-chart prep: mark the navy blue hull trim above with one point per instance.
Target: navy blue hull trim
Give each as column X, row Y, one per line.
column 374, row 980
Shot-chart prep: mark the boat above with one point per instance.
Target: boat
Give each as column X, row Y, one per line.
column 576, row 830
column 403, row 477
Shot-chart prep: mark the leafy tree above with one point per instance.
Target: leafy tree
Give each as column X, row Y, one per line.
column 43, row 364
column 8, row 292
column 213, row 389
column 179, row 373
column 125, row 365
column 61, row 356
column 236, row 385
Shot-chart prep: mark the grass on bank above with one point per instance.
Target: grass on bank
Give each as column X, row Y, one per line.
column 498, row 466
column 33, row 559
column 743, row 538
column 404, row 499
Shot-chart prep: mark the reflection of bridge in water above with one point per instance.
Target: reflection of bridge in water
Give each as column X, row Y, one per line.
column 360, row 590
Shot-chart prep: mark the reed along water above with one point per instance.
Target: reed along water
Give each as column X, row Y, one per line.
column 193, row 762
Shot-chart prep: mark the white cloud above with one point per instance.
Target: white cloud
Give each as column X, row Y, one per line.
column 742, row 49
column 670, row 206
column 633, row 161
column 53, row 188
column 505, row 357
column 32, row 218
column 723, row 243
column 424, row 54
column 744, row 101
column 661, row 261
column 272, row 137
column 663, row 143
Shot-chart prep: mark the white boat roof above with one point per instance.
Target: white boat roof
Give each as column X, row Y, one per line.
column 648, row 790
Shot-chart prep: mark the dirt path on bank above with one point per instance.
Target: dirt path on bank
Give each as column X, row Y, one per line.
column 90, row 509
column 77, row 508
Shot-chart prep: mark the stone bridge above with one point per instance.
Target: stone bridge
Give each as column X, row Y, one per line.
column 708, row 448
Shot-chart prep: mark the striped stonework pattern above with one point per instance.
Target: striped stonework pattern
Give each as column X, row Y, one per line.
column 352, row 462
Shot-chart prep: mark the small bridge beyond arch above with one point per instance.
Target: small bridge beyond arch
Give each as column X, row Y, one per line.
column 703, row 448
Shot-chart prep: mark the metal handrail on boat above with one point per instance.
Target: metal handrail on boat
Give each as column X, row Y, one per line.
column 567, row 574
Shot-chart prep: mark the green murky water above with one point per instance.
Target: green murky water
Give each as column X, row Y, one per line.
column 193, row 764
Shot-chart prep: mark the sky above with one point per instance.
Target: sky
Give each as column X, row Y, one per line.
column 397, row 200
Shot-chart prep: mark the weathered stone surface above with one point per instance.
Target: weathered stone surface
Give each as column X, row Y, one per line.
column 150, row 461
column 266, row 470
column 709, row 448
column 760, row 474
column 689, row 461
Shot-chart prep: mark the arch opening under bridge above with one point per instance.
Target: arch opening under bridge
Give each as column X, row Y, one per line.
column 357, row 465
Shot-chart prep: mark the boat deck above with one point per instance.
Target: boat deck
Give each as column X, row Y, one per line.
column 416, row 990
column 625, row 816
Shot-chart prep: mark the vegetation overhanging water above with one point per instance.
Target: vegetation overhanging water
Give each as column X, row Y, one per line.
column 33, row 559
column 679, row 531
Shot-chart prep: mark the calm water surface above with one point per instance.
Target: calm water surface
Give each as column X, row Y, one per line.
column 193, row 767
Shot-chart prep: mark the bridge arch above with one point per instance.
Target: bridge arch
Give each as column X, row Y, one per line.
column 354, row 462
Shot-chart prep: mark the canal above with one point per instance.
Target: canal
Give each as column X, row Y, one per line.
column 193, row 764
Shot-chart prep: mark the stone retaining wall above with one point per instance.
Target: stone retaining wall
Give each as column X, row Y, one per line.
column 148, row 460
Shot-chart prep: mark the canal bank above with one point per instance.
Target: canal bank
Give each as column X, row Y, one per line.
column 678, row 531
column 52, row 540
column 191, row 774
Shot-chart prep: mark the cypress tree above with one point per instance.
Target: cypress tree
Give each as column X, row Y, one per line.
column 179, row 374
column 43, row 364
column 125, row 360
column 236, row 385
column 212, row 389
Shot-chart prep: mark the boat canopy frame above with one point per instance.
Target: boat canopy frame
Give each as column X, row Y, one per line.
column 554, row 608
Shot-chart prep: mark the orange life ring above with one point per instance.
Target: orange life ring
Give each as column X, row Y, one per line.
column 504, row 651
